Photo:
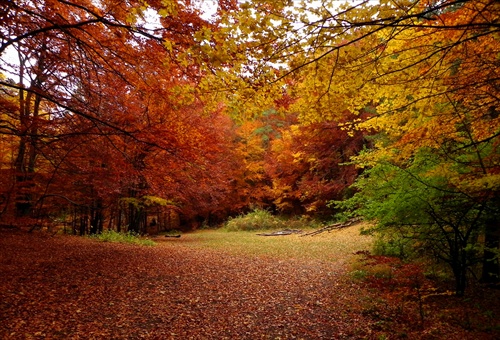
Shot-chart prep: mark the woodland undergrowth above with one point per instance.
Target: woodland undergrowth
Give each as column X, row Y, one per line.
column 130, row 237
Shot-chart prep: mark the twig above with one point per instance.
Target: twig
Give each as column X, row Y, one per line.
column 282, row 232
column 333, row 227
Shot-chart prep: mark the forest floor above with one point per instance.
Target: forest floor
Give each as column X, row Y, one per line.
column 67, row 287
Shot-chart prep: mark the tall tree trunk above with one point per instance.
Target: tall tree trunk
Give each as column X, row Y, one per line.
column 84, row 221
column 21, row 201
column 25, row 161
column 23, row 178
column 119, row 219
column 96, row 217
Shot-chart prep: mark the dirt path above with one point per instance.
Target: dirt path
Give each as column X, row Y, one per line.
column 68, row 287
column 76, row 288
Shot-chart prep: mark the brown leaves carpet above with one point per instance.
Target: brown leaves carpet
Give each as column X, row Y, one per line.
column 69, row 287
column 65, row 287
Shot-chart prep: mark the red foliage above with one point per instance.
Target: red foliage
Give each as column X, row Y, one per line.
column 422, row 305
column 110, row 113
column 309, row 168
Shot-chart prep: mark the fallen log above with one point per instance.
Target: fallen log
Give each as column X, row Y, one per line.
column 282, row 232
column 334, row 226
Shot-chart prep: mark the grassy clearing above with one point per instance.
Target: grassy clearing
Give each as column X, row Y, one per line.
column 334, row 246
column 113, row 236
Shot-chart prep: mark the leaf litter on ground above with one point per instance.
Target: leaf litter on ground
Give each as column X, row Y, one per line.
column 67, row 287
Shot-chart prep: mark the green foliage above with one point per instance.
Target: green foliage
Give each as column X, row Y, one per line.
column 154, row 200
column 359, row 274
column 147, row 201
column 174, row 232
column 136, row 203
column 113, row 236
column 258, row 219
column 394, row 245
column 417, row 208
column 304, row 222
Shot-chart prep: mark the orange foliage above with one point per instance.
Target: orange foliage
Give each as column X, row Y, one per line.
column 108, row 111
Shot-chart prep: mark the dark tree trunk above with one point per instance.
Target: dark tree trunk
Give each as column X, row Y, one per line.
column 27, row 150
column 459, row 268
column 136, row 217
column 97, row 218
column 461, row 274
column 84, row 219
column 119, row 220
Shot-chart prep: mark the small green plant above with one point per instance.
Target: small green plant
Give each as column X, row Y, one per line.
column 113, row 236
column 359, row 274
column 172, row 232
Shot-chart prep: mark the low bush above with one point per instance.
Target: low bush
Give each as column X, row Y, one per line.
column 113, row 236
column 258, row 219
column 394, row 246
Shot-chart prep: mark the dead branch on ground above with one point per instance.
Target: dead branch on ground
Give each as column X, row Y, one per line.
column 282, row 232
column 334, row 226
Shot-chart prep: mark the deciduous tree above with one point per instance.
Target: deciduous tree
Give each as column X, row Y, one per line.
column 106, row 104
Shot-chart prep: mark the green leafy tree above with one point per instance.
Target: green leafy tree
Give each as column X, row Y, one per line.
column 425, row 207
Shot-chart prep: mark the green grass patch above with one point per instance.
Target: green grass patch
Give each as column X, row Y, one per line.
column 332, row 246
column 113, row 236
column 170, row 233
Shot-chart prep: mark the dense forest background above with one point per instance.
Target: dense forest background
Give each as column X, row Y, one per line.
column 150, row 115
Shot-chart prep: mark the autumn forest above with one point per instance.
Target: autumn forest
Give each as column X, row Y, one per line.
column 148, row 116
